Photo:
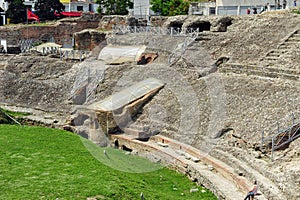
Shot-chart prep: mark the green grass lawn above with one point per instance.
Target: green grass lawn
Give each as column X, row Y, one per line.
column 40, row 163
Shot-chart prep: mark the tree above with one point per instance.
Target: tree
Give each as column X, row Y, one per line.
column 45, row 9
column 16, row 11
column 170, row 7
column 114, row 7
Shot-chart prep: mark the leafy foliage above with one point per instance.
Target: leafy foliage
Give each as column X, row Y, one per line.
column 296, row 11
column 17, row 11
column 170, row 7
column 114, row 7
column 45, row 9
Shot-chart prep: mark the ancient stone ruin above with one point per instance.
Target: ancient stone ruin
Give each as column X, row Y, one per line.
column 226, row 80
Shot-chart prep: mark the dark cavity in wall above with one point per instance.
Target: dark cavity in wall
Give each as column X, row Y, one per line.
column 177, row 25
column 224, row 23
column 116, row 143
column 200, row 25
column 126, row 148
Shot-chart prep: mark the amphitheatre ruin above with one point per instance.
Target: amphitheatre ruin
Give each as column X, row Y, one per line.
column 216, row 98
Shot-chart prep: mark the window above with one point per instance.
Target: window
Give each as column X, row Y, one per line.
column 212, row 11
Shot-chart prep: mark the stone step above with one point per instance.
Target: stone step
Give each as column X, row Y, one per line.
column 215, row 181
column 277, row 52
column 271, row 58
column 287, row 45
column 296, row 35
column 227, row 190
column 205, row 36
column 270, row 72
column 291, row 42
column 257, row 164
column 260, row 166
column 293, row 39
column 283, row 70
column 138, row 127
column 263, row 68
column 206, row 175
column 284, row 46
column 269, row 190
column 274, row 54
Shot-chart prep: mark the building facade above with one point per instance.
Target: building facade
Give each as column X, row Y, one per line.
column 3, row 5
column 3, row 8
column 141, row 9
column 236, row 7
column 80, row 5
column 30, row 4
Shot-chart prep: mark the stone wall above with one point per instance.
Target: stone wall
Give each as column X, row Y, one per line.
column 88, row 39
column 62, row 32
column 107, row 22
column 35, row 81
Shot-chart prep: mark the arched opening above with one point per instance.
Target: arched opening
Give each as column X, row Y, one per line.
column 126, row 148
column 116, row 143
column 200, row 25
column 176, row 25
column 224, row 23
column 147, row 58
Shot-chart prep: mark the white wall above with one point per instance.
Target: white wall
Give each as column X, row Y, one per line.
column 4, row 44
column 141, row 8
column 238, row 7
column 201, row 8
column 3, row 5
column 74, row 6
column 251, row 3
column 30, row 3
column 242, row 2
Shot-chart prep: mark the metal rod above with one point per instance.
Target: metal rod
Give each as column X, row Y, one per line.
column 272, row 153
column 10, row 117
